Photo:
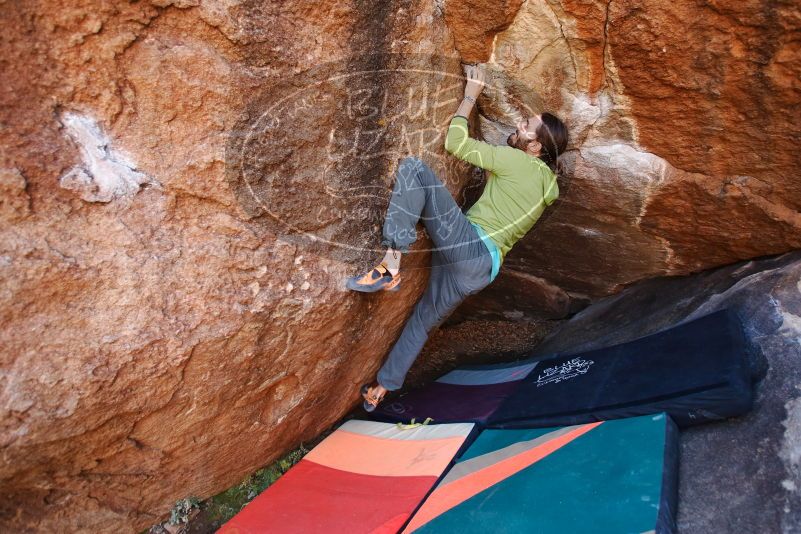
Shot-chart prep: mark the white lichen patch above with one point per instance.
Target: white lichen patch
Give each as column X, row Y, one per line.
column 254, row 288
column 791, row 324
column 637, row 163
column 791, row 447
column 588, row 116
column 105, row 173
column 583, row 112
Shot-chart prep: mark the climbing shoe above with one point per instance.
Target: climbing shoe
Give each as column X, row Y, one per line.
column 377, row 279
column 371, row 400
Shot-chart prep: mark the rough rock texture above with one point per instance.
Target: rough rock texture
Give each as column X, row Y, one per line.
column 742, row 475
column 474, row 24
column 159, row 338
column 684, row 125
column 179, row 210
column 517, row 295
column 475, row 342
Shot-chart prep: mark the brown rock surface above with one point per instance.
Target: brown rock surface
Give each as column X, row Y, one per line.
column 476, row 342
column 515, row 295
column 684, row 124
column 474, row 24
column 159, row 337
column 178, row 211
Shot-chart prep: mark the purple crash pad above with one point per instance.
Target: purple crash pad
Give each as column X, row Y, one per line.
column 467, row 394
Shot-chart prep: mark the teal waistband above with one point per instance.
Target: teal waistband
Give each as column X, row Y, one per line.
column 494, row 251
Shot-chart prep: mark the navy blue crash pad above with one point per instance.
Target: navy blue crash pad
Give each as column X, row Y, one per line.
column 696, row 372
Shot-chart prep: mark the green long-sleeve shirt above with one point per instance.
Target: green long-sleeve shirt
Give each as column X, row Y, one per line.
column 518, row 188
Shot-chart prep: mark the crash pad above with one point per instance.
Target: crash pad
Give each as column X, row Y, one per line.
column 364, row 477
column 612, row 476
column 696, row 372
column 467, row 394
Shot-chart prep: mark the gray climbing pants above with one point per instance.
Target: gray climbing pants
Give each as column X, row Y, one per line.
column 460, row 262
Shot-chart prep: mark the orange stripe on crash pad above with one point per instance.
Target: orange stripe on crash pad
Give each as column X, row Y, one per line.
column 368, row 455
column 451, row 495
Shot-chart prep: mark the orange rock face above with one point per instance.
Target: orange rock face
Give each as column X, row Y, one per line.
column 186, row 184
column 684, row 125
column 474, row 24
column 161, row 335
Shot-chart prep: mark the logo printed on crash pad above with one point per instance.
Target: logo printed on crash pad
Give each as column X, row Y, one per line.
column 569, row 369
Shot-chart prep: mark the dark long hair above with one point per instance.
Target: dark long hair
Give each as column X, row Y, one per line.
column 552, row 135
